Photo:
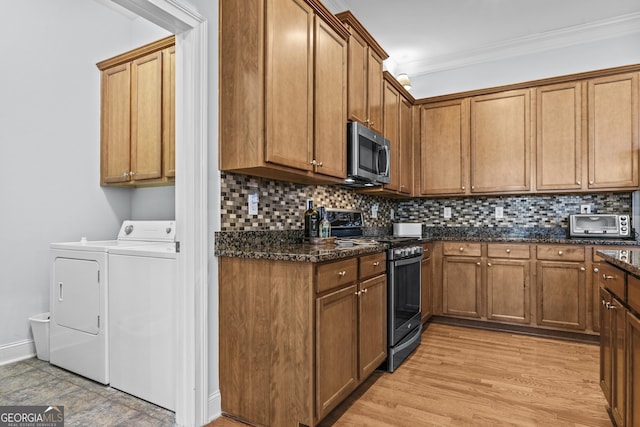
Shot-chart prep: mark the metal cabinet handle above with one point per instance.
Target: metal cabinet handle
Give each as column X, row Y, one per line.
column 132, row 173
column 488, row 264
column 342, row 273
column 578, row 182
column 357, row 293
column 559, row 252
column 596, row 270
column 126, row 174
column 605, row 277
column 463, row 188
column 364, row 291
column 582, row 269
column 611, row 306
column 508, row 251
column 604, row 303
column 590, row 182
column 461, row 249
column 377, row 263
column 477, row 263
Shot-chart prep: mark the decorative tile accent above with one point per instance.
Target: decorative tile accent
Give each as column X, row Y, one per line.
column 281, row 206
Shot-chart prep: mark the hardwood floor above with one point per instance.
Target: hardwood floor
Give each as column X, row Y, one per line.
column 471, row 377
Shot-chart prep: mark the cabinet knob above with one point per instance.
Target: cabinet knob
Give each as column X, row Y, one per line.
column 611, row 306
column 377, row 263
column 473, row 187
column 357, row 293
column 559, row 252
column 461, row 249
column 126, row 174
column 463, row 188
column 508, row 251
column 590, row 182
column 595, row 270
column 478, row 263
column 364, row 291
column 578, row 182
column 342, row 273
column 132, row 173
column 605, row 277
column 582, row 269
column 488, row 264
column 371, row 124
column 604, row 303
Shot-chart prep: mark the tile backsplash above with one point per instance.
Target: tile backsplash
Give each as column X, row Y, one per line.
column 281, row 206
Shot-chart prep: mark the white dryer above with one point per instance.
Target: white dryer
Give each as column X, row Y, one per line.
column 142, row 312
column 79, row 322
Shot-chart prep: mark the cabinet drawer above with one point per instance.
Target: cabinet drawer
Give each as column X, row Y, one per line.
column 633, row 293
column 613, row 279
column 517, row 251
column 372, row 265
column 336, row 274
column 561, row 253
column 461, row 249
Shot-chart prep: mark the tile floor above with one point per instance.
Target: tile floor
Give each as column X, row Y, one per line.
column 86, row 403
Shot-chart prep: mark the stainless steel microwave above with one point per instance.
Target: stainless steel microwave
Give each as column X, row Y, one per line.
column 368, row 157
column 599, row 225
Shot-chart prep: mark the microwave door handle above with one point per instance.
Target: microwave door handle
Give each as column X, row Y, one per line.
column 386, row 170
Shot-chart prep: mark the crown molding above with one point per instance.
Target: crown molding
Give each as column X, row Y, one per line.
column 570, row 36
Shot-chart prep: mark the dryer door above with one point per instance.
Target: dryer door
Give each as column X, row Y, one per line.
column 76, row 296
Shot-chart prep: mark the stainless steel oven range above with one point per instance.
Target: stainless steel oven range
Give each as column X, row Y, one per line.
column 404, row 280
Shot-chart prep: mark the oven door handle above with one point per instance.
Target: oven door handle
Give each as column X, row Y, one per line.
column 406, row 261
column 411, row 341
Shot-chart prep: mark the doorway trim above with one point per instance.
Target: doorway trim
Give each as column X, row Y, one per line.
column 190, row 29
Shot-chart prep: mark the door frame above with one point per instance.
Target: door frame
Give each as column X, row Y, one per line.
column 190, row 29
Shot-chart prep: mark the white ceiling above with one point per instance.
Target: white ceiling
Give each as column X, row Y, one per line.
column 425, row 36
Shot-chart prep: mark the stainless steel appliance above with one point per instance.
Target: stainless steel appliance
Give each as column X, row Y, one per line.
column 368, row 158
column 600, row 225
column 404, row 282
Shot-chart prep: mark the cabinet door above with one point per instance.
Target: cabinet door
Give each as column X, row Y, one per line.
column 633, row 370
column 619, row 367
column 405, row 163
column 330, row 138
column 561, row 295
column 374, row 91
column 613, row 132
column 372, row 324
column 115, row 124
column 426, row 273
column 500, row 142
column 146, row 117
column 444, row 147
column 289, row 84
column 508, row 291
column 606, row 351
column 336, row 348
column 391, row 132
column 358, row 59
column 559, row 137
column 169, row 112
column 461, row 286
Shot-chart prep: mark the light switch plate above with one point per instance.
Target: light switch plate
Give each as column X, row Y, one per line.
column 374, row 210
column 585, row 209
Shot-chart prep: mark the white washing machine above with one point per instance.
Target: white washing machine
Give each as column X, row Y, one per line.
column 142, row 314
column 79, row 323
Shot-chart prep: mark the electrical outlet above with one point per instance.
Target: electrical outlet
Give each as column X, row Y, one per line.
column 252, row 202
column 447, row 213
column 585, row 209
column 499, row 212
column 392, row 214
column 374, row 210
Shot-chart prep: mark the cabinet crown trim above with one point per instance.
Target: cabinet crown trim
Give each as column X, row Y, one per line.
column 137, row 53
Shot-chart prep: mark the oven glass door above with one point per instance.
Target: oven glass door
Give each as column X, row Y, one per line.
column 405, row 294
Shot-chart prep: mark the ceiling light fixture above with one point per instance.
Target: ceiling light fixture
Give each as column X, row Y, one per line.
column 403, row 79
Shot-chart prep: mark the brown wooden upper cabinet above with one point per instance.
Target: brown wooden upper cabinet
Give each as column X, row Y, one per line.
column 613, row 132
column 365, row 58
column 444, row 147
column 137, row 118
column 500, row 142
column 560, row 140
column 283, row 101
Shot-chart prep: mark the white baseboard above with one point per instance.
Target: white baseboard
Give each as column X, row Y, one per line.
column 215, row 406
column 16, row 351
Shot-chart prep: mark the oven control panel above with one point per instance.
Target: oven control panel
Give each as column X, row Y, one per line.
column 406, row 252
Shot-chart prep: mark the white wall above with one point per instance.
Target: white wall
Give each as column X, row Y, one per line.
column 607, row 53
column 49, row 144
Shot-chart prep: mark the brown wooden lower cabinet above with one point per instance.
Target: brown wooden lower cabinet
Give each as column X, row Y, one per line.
column 462, row 286
column 633, row 369
column 508, row 290
column 561, row 295
column 426, row 302
column 296, row 338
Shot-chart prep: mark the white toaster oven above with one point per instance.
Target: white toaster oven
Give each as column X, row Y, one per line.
column 599, row 225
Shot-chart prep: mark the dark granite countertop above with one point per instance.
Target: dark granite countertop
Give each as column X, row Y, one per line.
column 287, row 244
column 626, row 259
